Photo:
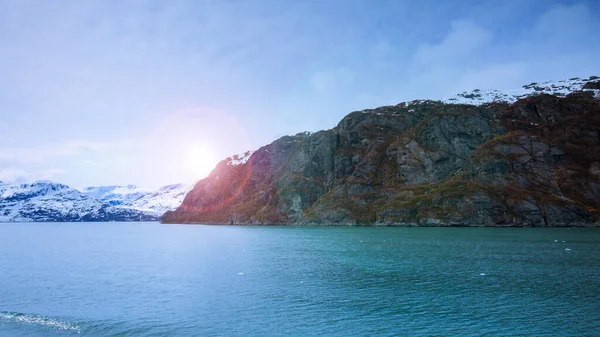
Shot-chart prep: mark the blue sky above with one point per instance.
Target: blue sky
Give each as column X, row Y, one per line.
column 156, row 92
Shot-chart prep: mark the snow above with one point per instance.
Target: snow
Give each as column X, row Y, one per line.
column 239, row 159
column 42, row 200
column 130, row 189
column 166, row 198
column 48, row 201
column 558, row 88
column 482, row 96
column 116, row 195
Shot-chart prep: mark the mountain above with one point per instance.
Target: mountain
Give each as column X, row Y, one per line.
column 156, row 202
column 115, row 195
column 167, row 198
column 46, row 201
column 530, row 157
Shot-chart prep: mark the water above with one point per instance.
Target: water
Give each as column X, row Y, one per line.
column 148, row 279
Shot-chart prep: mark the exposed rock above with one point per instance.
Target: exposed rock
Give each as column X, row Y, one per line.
column 592, row 85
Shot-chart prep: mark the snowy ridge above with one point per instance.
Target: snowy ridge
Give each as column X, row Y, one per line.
column 44, row 201
column 167, row 198
column 239, row 159
column 115, row 195
column 478, row 96
column 47, row 201
column 558, row 88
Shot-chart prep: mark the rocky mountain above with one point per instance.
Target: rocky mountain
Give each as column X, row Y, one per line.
column 115, row 195
column 47, row 201
column 159, row 201
column 166, row 198
column 484, row 158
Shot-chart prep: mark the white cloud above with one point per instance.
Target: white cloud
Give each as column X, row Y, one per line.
column 12, row 175
column 19, row 176
column 44, row 152
column 564, row 23
column 327, row 81
column 462, row 44
column 451, row 65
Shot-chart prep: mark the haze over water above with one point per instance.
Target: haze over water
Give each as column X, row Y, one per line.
column 129, row 279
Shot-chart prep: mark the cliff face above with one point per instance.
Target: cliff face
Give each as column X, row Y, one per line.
column 534, row 162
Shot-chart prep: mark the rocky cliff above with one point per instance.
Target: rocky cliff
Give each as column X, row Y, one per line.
column 530, row 158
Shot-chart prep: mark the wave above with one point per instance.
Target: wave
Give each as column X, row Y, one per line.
column 89, row 328
column 38, row 320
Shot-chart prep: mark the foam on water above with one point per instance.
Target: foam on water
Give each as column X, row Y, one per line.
column 39, row 320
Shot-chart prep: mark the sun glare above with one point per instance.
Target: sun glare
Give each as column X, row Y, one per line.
column 200, row 160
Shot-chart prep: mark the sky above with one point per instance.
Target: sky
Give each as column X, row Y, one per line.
column 157, row 92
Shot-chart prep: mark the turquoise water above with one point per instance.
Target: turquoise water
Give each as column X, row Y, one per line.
column 148, row 279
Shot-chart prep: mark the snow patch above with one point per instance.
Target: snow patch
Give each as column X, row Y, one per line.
column 483, row 96
column 559, row 88
column 239, row 159
column 47, row 201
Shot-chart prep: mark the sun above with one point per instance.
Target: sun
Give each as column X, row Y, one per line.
column 200, row 160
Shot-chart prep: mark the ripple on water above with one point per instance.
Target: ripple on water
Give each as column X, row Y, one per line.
column 38, row 320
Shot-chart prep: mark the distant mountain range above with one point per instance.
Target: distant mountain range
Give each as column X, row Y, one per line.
column 47, row 201
column 527, row 157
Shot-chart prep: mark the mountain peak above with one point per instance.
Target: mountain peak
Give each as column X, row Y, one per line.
column 44, row 182
column 45, row 200
column 558, row 88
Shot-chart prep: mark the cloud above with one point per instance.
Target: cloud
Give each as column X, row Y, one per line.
column 565, row 24
column 324, row 82
column 45, row 152
column 12, row 175
column 19, row 176
column 460, row 46
column 453, row 64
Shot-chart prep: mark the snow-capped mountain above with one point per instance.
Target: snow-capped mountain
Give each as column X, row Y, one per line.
column 557, row 88
column 48, row 201
column 116, row 195
column 560, row 88
column 167, row 198
column 159, row 201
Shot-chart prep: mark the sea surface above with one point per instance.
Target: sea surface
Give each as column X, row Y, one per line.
column 149, row 279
